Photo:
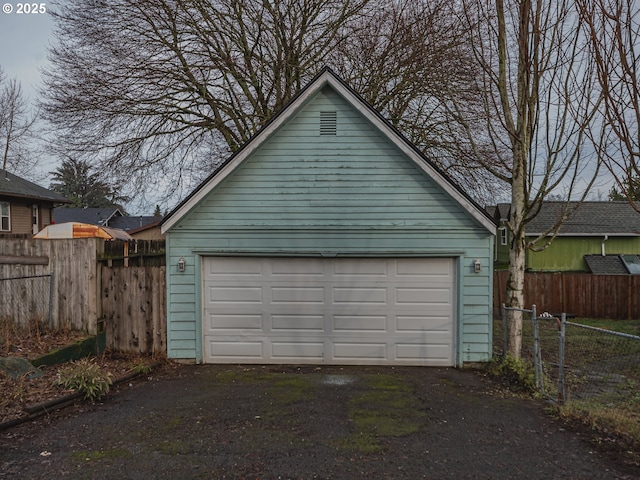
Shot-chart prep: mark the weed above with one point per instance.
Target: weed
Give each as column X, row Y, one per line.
column 85, row 377
column 516, row 372
column 140, row 367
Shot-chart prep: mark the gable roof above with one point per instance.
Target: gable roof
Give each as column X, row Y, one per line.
column 588, row 218
column 110, row 217
column 134, row 222
column 328, row 78
column 93, row 216
column 13, row 186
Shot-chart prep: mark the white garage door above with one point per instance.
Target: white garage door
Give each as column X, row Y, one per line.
column 329, row 310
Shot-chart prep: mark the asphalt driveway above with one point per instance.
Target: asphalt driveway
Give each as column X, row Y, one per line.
column 303, row 423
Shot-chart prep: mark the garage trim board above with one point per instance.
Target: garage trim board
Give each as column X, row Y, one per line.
column 395, row 311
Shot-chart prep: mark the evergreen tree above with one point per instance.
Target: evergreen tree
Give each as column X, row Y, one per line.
column 75, row 180
column 631, row 186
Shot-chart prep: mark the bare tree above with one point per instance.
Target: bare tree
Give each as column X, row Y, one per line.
column 165, row 88
column 16, row 128
column 537, row 93
column 160, row 90
column 411, row 60
column 613, row 29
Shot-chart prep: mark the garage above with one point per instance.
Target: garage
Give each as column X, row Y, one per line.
column 329, row 310
column 328, row 238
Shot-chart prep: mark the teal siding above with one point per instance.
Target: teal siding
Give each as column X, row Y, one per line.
column 351, row 194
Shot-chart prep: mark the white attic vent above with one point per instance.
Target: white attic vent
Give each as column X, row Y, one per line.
column 328, row 123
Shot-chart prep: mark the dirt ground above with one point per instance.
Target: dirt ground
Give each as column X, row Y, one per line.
column 17, row 394
column 247, row 422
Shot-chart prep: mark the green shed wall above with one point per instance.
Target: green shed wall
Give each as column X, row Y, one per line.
column 352, row 194
column 567, row 253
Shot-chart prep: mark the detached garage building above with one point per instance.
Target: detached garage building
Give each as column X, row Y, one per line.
column 329, row 239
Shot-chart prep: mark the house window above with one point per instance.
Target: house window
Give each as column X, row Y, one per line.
column 35, row 219
column 328, row 123
column 503, row 236
column 5, row 217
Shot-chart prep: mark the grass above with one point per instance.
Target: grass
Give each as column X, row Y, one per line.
column 630, row 327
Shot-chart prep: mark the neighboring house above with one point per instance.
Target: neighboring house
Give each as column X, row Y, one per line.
column 598, row 237
column 149, row 231
column 329, row 239
column 25, row 208
column 139, row 227
column 103, row 217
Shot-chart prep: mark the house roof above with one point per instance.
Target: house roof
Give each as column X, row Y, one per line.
column 13, row 186
column 606, row 264
column 134, row 223
column 94, row 216
column 111, row 217
column 588, row 219
column 327, row 77
column 146, row 226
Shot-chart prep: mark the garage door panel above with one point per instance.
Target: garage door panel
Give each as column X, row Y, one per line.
column 297, row 295
column 220, row 294
column 233, row 267
column 329, row 310
column 296, row 350
column 298, row 323
column 292, row 267
column 360, row 296
column 230, row 321
column 411, row 267
column 423, row 296
column 422, row 324
column 360, row 323
column 349, row 352
column 234, row 349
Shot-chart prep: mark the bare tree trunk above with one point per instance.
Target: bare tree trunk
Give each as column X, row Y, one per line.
column 515, row 294
column 538, row 93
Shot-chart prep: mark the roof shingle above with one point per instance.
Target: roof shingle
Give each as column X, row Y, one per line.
column 13, row 186
column 588, row 218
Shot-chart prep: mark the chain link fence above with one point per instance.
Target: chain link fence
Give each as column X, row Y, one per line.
column 593, row 373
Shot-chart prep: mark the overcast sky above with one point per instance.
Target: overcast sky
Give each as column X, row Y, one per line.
column 23, row 46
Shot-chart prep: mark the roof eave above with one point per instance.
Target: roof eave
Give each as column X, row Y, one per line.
column 35, row 197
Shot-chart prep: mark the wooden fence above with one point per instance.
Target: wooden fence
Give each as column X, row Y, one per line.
column 134, row 308
column 90, row 290
column 74, row 269
column 580, row 294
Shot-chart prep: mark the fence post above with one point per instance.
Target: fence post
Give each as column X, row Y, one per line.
column 537, row 354
column 51, row 300
column 504, row 331
column 561, row 336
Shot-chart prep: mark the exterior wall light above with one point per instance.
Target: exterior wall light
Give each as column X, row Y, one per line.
column 476, row 266
column 181, row 264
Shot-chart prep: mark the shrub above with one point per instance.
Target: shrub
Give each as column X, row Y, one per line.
column 85, row 377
